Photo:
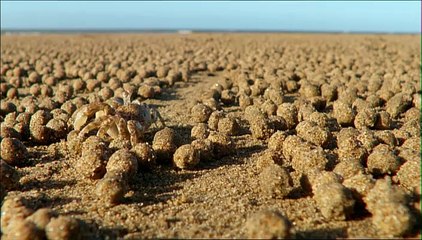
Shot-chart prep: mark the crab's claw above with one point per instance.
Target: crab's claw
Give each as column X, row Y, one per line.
column 157, row 116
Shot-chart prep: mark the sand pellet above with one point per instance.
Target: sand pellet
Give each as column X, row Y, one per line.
column 275, row 95
column 261, row 128
column 365, row 118
column 398, row 104
column 186, row 157
column 313, row 133
column 359, row 183
column 390, row 215
column 318, row 178
column 92, row 165
column 145, row 155
column 329, row 92
column 111, row 189
column 200, row 113
column 223, row 145
column 41, row 117
column 9, row 132
column 205, row 149
column 349, row 147
column 228, row 126
column 392, row 220
column 368, row 139
column 41, row 217
column 321, row 119
column 24, row 230
column 9, row 177
column 269, row 108
column 61, row 228
column 123, row 161
column 13, row 151
column 412, row 143
column 200, row 131
column 268, row 158
column 275, row 142
column 383, row 162
column 383, row 192
column 267, row 224
column 165, row 143
column 276, row 181
column 214, row 119
column 13, row 209
column 290, row 144
column 253, row 112
column 308, row 90
column 348, row 169
column 386, row 137
column 244, row 101
column 409, row 175
column 344, row 113
column 58, row 127
column 289, row 112
column 41, row 134
column 307, row 159
column 228, row 97
column 334, row 201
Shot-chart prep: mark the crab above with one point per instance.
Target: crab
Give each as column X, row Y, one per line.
column 117, row 119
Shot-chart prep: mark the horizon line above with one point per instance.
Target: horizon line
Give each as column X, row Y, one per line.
column 186, row 31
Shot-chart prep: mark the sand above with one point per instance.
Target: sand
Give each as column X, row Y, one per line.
column 215, row 199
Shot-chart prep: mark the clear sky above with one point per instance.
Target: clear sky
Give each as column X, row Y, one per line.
column 225, row 15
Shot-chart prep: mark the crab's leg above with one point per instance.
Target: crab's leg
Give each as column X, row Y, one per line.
column 80, row 119
column 122, row 127
column 136, row 101
column 88, row 111
column 135, row 131
column 92, row 125
column 113, row 131
column 96, row 106
column 127, row 96
column 101, row 113
column 157, row 116
column 103, row 131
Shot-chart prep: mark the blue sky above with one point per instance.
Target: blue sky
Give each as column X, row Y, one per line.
column 226, row 15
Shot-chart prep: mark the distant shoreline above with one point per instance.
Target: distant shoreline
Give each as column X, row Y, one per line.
column 182, row 31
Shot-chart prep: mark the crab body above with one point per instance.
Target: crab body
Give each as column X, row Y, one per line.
column 116, row 120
